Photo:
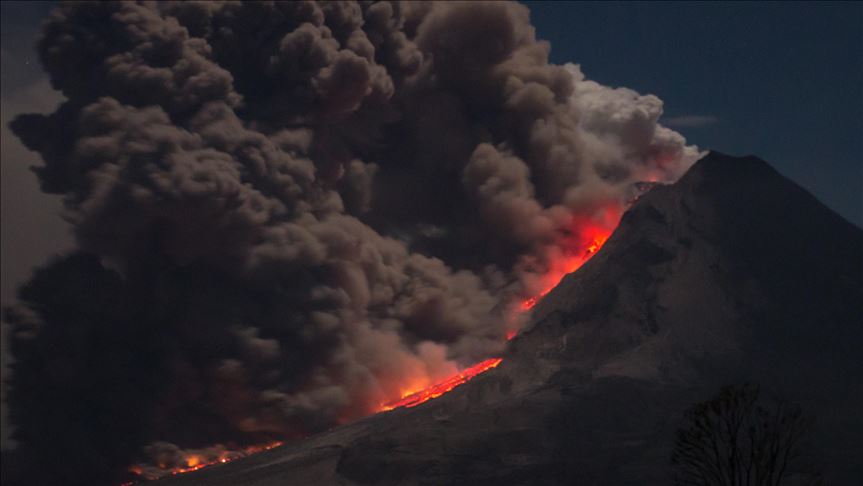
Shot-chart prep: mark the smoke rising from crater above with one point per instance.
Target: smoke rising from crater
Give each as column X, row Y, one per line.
column 289, row 212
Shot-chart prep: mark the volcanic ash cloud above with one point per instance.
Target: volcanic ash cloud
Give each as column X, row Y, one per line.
column 290, row 213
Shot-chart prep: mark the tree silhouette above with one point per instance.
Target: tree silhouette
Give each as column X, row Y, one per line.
column 734, row 439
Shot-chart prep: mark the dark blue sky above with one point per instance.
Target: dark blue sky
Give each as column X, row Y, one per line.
column 784, row 81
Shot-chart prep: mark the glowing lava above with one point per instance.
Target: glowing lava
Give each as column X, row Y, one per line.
column 568, row 264
column 194, row 460
column 413, row 399
column 579, row 251
column 576, row 252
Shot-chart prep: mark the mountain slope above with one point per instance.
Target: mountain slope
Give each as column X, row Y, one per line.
column 732, row 274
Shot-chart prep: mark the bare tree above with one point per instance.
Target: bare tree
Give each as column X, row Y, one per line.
column 734, row 439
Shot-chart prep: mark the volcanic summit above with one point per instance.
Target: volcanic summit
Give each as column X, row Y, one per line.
column 732, row 274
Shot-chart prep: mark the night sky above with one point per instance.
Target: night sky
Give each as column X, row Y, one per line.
column 779, row 81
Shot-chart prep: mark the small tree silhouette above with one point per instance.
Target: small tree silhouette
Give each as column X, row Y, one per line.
column 735, row 440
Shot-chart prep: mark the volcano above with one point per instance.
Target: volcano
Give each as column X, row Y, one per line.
column 733, row 274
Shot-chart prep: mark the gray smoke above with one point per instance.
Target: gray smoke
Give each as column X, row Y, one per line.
column 288, row 213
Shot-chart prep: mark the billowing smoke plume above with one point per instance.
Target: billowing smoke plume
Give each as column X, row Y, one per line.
column 289, row 212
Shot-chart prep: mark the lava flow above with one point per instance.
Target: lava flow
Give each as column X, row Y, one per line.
column 194, row 460
column 591, row 240
column 568, row 264
column 593, row 237
column 413, row 399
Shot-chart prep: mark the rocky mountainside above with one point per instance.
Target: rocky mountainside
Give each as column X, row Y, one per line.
column 732, row 274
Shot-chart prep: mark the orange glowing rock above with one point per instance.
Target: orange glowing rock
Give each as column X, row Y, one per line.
column 195, row 461
column 570, row 262
column 596, row 237
column 567, row 265
column 438, row 389
column 527, row 304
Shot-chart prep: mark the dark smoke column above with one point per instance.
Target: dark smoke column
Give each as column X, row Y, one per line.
column 287, row 212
